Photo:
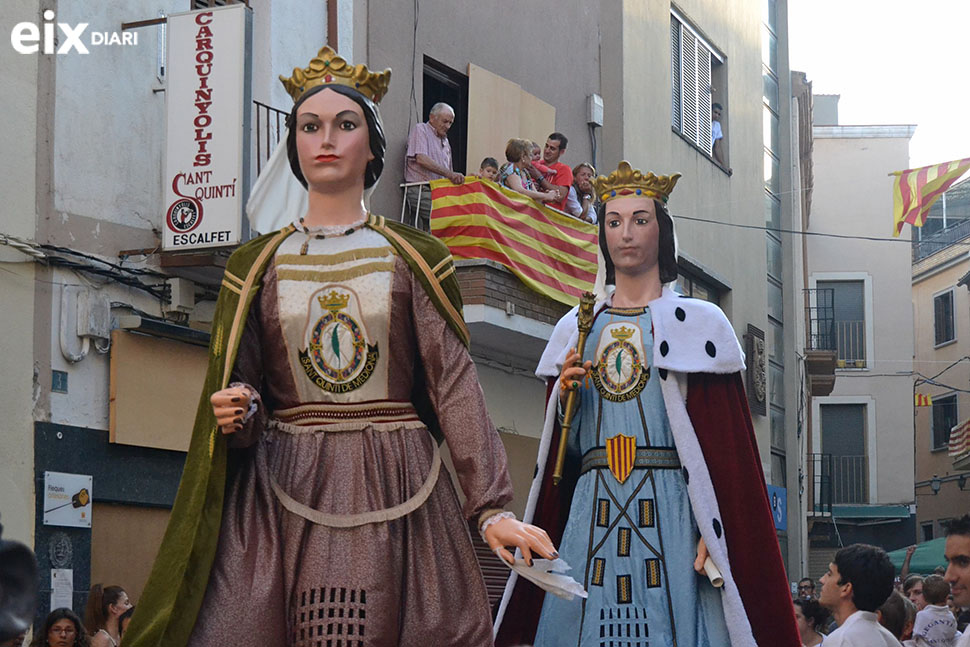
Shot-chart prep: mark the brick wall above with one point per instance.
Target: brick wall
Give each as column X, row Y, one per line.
column 484, row 282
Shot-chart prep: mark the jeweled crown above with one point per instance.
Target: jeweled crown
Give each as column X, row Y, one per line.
column 627, row 181
column 622, row 333
column 334, row 302
column 328, row 67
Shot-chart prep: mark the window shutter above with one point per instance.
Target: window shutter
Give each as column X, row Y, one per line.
column 675, row 80
column 704, row 98
column 688, row 54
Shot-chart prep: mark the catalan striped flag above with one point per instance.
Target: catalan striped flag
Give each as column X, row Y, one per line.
column 960, row 439
column 552, row 253
column 916, row 189
column 923, row 400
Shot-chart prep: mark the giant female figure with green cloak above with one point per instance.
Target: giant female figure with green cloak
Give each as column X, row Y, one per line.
column 313, row 509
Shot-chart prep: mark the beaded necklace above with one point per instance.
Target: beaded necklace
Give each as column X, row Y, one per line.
column 328, row 231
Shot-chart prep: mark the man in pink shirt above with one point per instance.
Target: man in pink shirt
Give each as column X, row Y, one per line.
column 429, row 158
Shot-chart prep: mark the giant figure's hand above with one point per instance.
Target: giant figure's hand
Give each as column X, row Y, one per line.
column 229, row 406
column 702, row 556
column 571, row 375
column 524, row 536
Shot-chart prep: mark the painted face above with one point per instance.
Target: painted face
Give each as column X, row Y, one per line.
column 583, row 177
column 831, row 593
column 552, row 151
column 62, row 633
column 632, row 234
column 441, row 122
column 957, row 553
column 916, row 596
column 803, row 625
column 488, row 173
column 332, row 141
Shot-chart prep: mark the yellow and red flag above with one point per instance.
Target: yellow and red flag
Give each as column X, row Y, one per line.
column 552, row 253
column 923, row 400
column 916, row 189
column 960, row 439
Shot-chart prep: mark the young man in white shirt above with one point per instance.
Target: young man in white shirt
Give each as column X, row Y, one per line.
column 957, row 553
column 856, row 584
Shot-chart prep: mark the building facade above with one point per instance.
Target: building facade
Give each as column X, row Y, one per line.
column 860, row 452
column 941, row 311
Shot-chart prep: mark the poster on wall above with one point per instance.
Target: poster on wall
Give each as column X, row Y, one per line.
column 67, row 499
column 207, row 106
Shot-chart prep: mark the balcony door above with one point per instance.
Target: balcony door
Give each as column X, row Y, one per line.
column 849, row 310
column 844, row 438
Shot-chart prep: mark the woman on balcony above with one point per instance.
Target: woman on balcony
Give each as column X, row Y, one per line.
column 311, row 504
column 514, row 175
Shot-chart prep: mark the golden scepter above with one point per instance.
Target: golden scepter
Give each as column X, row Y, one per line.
column 585, row 323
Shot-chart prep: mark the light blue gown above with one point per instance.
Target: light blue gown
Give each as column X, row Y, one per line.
column 632, row 544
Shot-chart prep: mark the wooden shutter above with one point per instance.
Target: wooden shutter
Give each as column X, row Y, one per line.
column 704, row 98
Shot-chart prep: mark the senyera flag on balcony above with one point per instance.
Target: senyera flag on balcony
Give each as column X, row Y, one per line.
column 960, row 439
column 916, row 189
column 552, row 253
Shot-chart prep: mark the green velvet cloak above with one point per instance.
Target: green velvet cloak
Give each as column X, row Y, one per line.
column 170, row 603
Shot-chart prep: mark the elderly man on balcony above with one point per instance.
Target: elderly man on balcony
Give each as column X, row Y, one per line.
column 428, row 158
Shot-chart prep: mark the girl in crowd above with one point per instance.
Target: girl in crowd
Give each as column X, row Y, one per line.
column 810, row 616
column 105, row 607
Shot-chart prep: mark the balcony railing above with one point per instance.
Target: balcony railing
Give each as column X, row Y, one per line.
column 940, row 240
column 820, row 315
column 270, row 124
column 837, row 480
column 850, row 340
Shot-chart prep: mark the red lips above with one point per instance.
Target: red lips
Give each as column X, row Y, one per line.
column 326, row 158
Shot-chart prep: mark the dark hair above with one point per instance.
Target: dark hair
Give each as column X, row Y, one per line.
column 870, row 572
column 99, row 599
column 910, row 582
column 717, row 105
column 807, row 579
column 958, row 526
column 559, row 137
column 935, row 589
column 489, row 162
column 80, row 638
column 813, row 611
column 894, row 612
column 375, row 128
column 667, row 253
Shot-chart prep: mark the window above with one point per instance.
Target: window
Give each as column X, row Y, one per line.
column 849, row 310
column 694, row 64
column 927, row 531
column 690, row 286
column 844, row 437
column 944, row 419
column 943, row 317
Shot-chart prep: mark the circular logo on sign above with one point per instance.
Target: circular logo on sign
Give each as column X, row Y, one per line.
column 184, row 215
column 620, row 374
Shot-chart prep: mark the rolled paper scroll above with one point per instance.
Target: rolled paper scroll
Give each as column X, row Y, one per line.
column 713, row 574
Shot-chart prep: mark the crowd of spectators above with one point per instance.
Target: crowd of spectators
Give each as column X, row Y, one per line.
column 861, row 603
column 106, row 618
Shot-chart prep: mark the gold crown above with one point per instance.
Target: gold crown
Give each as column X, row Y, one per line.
column 327, row 67
column 334, row 302
column 626, row 181
column 622, row 333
